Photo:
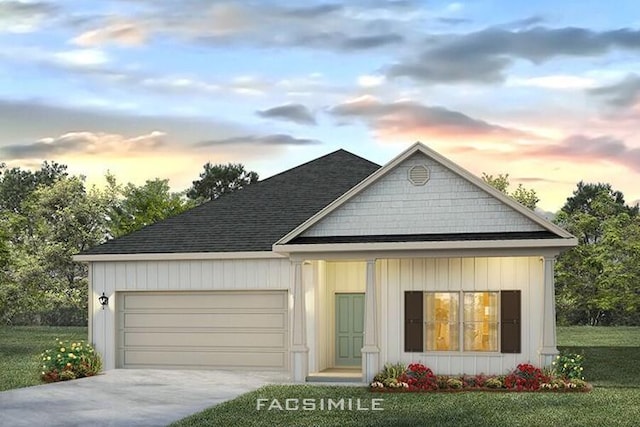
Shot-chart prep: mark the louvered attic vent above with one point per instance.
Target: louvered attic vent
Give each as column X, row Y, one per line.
column 419, row 175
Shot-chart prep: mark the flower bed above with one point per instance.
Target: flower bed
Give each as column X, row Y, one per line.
column 524, row 378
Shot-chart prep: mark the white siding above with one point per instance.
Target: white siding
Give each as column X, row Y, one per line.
column 447, row 203
column 456, row 274
column 111, row 277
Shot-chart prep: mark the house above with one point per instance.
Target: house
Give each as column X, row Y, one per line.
column 335, row 263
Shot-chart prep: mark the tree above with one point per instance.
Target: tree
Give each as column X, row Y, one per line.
column 134, row 207
column 56, row 222
column 17, row 184
column 522, row 195
column 598, row 282
column 219, row 179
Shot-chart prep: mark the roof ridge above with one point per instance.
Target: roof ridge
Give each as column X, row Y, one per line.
column 324, row 157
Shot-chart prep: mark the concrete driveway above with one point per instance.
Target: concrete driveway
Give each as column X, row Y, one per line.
column 127, row 397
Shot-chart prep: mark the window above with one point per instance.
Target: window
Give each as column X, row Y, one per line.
column 462, row 321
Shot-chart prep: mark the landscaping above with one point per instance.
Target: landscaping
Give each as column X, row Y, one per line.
column 611, row 364
column 20, row 349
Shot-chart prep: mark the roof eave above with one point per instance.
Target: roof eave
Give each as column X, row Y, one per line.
column 561, row 244
column 180, row 256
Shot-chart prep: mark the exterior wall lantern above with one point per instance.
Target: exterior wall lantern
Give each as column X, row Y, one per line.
column 103, row 300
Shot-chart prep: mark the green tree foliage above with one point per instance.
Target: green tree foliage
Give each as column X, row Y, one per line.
column 57, row 220
column 16, row 184
column 598, row 282
column 219, row 179
column 524, row 196
column 134, row 207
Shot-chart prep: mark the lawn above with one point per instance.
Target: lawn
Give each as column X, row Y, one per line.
column 612, row 360
column 20, row 347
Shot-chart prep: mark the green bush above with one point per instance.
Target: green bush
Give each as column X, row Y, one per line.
column 69, row 360
column 569, row 366
column 390, row 372
column 494, row 382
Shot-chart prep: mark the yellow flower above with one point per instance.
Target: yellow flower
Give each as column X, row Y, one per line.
column 62, row 349
column 68, row 364
column 49, row 357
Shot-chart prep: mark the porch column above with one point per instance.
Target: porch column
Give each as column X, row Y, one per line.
column 370, row 351
column 299, row 349
column 548, row 350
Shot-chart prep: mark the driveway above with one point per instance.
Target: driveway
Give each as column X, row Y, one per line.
column 127, row 397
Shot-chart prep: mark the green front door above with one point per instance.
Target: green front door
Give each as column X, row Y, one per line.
column 349, row 329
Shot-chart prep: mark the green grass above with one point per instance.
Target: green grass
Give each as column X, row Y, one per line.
column 20, row 347
column 612, row 360
column 612, row 354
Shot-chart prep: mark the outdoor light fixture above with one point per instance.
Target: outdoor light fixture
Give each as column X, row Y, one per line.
column 103, row 300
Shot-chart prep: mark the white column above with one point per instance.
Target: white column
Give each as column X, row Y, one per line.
column 548, row 350
column 370, row 351
column 299, row 349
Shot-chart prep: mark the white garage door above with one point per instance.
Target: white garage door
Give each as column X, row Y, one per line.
column 218, row 329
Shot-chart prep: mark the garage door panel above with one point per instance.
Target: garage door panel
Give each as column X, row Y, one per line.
column 248, row 339
column 203, row 329
column 205, row 320
column 206, row 300
column 193, row 359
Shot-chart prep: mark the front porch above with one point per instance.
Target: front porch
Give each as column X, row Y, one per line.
column 320, row 285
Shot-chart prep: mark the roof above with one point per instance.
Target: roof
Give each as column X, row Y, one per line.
column 253, row 218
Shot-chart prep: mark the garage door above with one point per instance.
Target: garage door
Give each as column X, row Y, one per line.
column 244, row 329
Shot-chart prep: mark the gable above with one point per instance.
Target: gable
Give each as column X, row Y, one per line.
column 446, row 204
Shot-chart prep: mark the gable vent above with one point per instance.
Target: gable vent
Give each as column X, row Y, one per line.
column 419, row 175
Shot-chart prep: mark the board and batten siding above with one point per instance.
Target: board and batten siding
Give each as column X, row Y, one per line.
column 396, row 276
column 447, row 203
column 111, row 277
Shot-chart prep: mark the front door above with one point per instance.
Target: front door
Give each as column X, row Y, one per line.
column 349, row 329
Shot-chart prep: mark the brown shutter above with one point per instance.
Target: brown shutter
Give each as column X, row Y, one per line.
column 413, row 313
column 510, row 321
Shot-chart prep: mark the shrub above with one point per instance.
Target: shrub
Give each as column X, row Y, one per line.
column 441, row 381
column 577, row 384
column 525, row 377
column 69, row 360
column 495, row 382
column 569, row 366
column 454, row 383
column 419, row 377
column 391, row 371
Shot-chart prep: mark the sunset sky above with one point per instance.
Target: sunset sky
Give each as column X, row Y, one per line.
column 547, row 91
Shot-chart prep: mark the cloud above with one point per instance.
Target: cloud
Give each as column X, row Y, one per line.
column 25, row 17
column 296, row 113
column 594, row 149
column 328, row 26
column 483, row 56
column 84, row 143
column 276, row 139
column 81, row 58
column 558, row 81
column 32, row 124
column 409, row 116
column 624, row 93
column 118, row 32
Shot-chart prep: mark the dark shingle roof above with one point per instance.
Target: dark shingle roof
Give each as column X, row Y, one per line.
column 251, row 219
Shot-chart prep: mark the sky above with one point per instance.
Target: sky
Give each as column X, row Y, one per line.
column 546, row 91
